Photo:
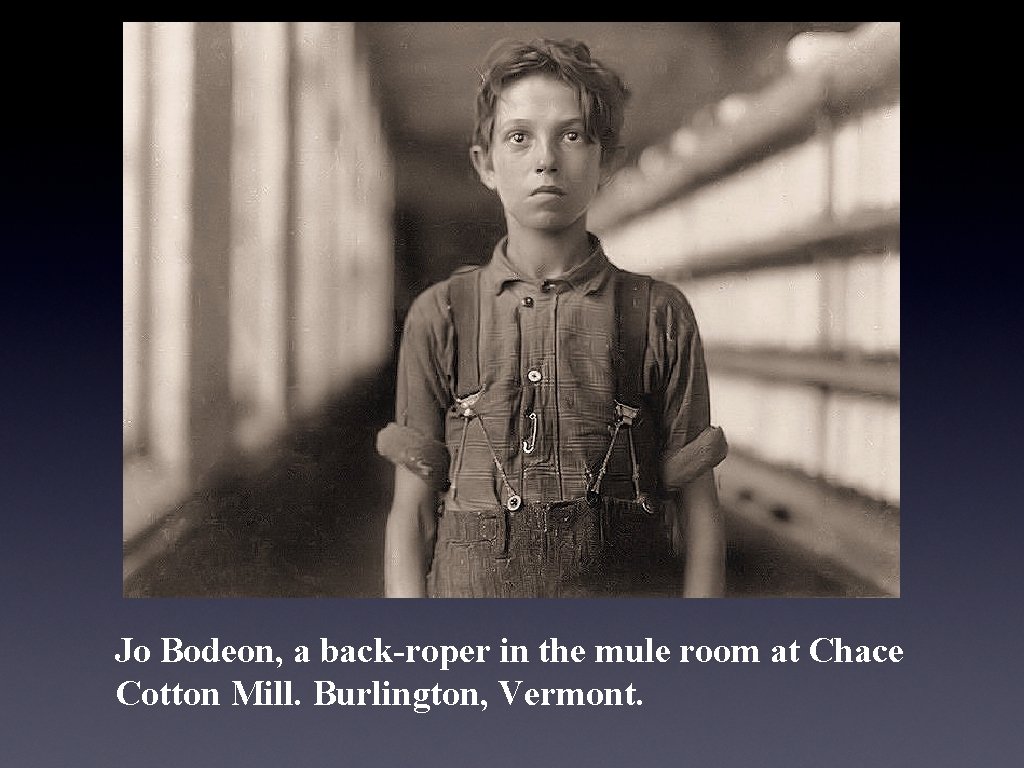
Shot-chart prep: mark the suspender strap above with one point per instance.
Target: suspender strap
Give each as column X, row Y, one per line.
column 632, row 314
column 464, row 299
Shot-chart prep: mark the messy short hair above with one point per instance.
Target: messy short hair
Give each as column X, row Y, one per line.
column 602, row 93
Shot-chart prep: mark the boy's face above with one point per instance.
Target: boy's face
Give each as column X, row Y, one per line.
column 544, row 169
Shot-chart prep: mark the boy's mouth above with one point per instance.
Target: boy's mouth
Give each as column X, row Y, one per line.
column 548, row 190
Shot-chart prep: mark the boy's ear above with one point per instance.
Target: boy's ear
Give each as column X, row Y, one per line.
column 484, row 167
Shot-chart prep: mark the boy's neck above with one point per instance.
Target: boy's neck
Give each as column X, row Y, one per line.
column 543, row 255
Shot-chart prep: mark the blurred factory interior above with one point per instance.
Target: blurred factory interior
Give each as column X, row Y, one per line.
column 290, row 187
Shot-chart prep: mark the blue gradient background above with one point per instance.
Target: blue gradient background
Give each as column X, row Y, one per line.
column 954, row 700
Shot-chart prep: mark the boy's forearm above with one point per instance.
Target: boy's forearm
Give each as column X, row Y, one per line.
column 404, row 561
column 705, row 551
column 408, row 537
column 705, row 563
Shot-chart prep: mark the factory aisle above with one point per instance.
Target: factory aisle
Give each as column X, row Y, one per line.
column 307, row 520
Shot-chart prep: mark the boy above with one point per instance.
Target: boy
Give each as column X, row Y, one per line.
column 557, row 404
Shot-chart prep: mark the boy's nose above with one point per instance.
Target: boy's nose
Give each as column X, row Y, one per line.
column 547, row 160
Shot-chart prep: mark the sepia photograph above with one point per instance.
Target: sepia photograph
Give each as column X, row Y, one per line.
column 511, row 309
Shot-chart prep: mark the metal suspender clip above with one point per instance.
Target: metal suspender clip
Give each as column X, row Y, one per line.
column 627, row 414
column 464, row 405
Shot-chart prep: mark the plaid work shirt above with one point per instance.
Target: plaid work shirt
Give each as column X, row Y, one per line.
column 542, row 423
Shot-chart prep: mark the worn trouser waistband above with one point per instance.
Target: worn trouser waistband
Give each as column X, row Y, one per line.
column 553, row 550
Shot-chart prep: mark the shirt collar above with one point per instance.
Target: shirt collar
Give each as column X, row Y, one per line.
column 590, row 275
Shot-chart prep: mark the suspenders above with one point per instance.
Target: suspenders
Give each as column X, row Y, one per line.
column 464, row 297
column 632, row 312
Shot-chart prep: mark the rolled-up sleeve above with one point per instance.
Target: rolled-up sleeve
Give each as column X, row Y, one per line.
column 415, row 439
column 691, row 445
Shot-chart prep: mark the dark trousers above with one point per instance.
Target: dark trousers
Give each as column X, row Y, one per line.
column 565, row 549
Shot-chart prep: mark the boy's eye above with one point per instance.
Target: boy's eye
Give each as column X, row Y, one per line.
column 573, row 136
column 517, row 137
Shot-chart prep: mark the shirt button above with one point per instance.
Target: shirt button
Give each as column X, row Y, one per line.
column 547, row 287
column 534, row 376
column 528, row 301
